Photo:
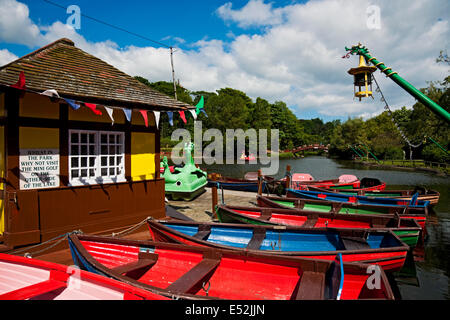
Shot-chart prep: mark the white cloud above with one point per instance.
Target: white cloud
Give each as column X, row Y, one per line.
column 6, row 57
column 295, row 57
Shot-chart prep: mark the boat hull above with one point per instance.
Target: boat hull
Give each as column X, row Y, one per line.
column 239, row 237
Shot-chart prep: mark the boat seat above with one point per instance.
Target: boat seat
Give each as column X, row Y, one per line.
column 312, row 286
column 355, row 243
column 57, row 281
column 259, row 234
column 266, row 214
column 137, row 269
column 310, row 222
column 194, row 277
column 204, row 231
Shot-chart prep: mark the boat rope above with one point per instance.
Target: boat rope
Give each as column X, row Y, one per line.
column 130, row 229
column 386, row 107
column 58, row 240
column 206, row 289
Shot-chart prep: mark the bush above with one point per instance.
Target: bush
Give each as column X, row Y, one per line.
column 435, row 154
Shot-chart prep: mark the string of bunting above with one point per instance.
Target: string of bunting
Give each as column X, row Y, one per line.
column 386, row 107
column 75, row 105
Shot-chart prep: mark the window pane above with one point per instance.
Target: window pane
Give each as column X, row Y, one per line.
column 119, row 139
column 119, row 150
column 74, row 163
column 74, row 137
column 75, row 173
column 84, row 150
column 83, row 137
column 92, row 138
column 91, row 149
column 111, row 172
column 111, row 161
column 84, row 173
column 91, row 172
column 74, row 150
column 104, row 138
column 104, row 161
column 104, row 172
column 119, row 160
column 92, row 162
column 104, row 149
column 112, row 139
column 84, row 162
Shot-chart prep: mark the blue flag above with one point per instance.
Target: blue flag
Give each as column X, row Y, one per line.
column 72, row 103
column 127, row 113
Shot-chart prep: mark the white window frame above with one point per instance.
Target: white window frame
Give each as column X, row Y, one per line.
column 97, row 177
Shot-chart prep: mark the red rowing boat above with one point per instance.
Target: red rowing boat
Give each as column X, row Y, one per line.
column 193, row 272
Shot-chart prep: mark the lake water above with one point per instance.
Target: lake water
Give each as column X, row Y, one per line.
column 426, row 274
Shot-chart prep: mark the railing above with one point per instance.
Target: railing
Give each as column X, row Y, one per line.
column 444, row 167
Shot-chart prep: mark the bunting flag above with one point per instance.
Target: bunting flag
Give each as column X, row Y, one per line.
column 170, row 115
column 200, row 107
column 21, row 83
column 145, row 116
column 51, row 93
column 182, row 116
column 72, row 103
column 110, row 111
column 127, row 113
column 93, row 107
column 157, row 116
column 194, row 113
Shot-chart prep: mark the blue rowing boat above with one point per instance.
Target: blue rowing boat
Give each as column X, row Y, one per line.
column 383, row 248
column 357, row 200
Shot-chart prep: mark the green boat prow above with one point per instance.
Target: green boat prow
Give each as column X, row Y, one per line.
column 184, row 183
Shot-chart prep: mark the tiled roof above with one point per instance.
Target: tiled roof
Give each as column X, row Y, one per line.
column 78, row 75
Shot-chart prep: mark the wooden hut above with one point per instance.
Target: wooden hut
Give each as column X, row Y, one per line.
column 64, row 164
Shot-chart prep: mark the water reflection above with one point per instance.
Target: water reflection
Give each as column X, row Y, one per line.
column 426, row 276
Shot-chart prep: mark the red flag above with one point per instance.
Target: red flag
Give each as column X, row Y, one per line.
column 21, row 83
column 145, row 116
column 93, row 107
column 182, row 115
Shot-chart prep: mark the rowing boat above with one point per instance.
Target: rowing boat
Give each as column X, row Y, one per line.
column 301, row 181
column 418, row 214
column 31, row 279
column 414, row 203
column 199, row 273
column 364, row 246
column 249, row 183
column 408, row 230
column 405, row 195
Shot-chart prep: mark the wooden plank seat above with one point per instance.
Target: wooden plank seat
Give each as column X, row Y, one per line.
column 259, row 234
column 138, row 268
column 310, row 222
column 266, row 214
column 203, row 232
column 195, row 277
column 57, row 281
column 312, row 285
column 355, row 243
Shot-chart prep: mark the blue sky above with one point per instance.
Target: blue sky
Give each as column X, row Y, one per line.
column 279, row 50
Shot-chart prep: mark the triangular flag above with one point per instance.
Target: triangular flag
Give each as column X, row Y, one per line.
column 127, row 113
column 157, row 115
column 203, row 110
column 194, row 113
column 72, row 103
column 21, row 83
column 200, row 105
column 182, row 116
column 93, row 107
column 110, row 111
column 170, row 115
column 51, row 93
column 145, row 116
